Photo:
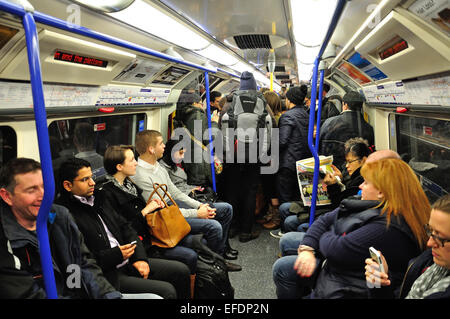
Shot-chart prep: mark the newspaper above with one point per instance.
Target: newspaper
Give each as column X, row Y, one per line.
column 305, row 174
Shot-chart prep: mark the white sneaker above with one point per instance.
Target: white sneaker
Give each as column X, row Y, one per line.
column 276, row 233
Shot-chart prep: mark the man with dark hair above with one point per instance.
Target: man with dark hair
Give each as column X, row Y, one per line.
column 328, row 107
column 338, row 129
column 214, row 101
column 114, row 243
column 22, row 189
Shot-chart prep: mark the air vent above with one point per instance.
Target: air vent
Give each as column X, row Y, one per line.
column 278, row 68
column 282, row 76
column 253, row 41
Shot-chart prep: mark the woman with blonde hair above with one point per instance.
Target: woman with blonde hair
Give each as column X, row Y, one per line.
column 389, row 217
column 274, row 102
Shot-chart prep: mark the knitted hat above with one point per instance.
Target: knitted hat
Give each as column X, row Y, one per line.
column 247, row 81
column 297, row 94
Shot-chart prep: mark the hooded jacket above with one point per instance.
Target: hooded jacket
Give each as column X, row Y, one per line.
column 20, row 265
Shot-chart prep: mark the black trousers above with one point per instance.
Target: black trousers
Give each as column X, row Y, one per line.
column 169, row 279
column 287, row 184
column 241, row 186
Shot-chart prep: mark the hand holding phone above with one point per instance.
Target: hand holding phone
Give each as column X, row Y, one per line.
column 375, row 254
column 133, row 242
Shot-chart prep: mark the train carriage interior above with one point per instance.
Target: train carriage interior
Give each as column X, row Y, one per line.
column 110, row 69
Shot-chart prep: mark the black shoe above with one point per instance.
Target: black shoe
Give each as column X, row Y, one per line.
column 233, row 267
column 228, row 255
column 245, row 237
column 232, row 251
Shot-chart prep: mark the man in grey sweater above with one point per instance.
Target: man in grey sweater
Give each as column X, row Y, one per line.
column 214, row 223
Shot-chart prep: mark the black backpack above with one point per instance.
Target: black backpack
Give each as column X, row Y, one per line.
column 211, row 281
column 248, row 114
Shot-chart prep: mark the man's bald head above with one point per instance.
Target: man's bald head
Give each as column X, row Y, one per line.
column 375, row 156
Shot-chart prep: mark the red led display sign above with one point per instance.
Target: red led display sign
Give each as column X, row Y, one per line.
column 75, row 58
column 394, row 49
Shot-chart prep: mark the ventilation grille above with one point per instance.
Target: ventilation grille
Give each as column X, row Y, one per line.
column 253, row 41
column 282, row 76
column 278, row 68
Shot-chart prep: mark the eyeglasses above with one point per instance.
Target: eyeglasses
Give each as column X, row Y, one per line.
column 439, row 240
column 84, row 179
column 347, row 162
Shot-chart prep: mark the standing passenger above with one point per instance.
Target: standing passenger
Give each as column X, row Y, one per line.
column 338, row 129
column 293, row 126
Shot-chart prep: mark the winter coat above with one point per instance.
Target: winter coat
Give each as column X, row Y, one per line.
column 20, row 265
column 293, row 137
column 90, row 225
column 343, row 238
column 338, row 129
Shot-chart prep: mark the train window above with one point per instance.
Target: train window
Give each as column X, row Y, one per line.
column 424, row 144
column 88, row 138
column 8, row 144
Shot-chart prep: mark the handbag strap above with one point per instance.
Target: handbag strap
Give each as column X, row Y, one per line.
column 163, row 187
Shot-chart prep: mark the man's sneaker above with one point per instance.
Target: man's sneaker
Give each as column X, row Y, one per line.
column 276, row 233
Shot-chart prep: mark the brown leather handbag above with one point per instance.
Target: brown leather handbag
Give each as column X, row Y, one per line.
column 167, row 225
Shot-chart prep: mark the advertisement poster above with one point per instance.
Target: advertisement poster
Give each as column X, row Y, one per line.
column 139, row 71
column 354, row 73
column 358, row 61
column 435, row 12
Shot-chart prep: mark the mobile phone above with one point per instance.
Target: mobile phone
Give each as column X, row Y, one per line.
column 375, row 254
column 133, row 242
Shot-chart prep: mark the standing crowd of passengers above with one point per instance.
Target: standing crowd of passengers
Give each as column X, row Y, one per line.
column 99, row 219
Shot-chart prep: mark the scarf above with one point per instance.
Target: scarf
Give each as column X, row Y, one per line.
column 434, row 279
column 127, row 187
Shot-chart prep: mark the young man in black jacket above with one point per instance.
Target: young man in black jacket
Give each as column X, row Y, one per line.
column 114, row 243
column 21, row 188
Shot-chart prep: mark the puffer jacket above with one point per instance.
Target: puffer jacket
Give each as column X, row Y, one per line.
column 343, row 238
column 293, row 135
column 20, row 266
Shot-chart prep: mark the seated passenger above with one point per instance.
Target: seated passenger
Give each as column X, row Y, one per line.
column 114, row 243
column 389, row 217
column 22, row 191
column 429, row 274
column 127, row 198
column 171, row 161
column 339, row 186
column 214, row 223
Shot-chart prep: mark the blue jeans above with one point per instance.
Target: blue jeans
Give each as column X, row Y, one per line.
column 289, row 285
column 284, row 213
column 182, row 253
column 290, row 241
column 215, row 230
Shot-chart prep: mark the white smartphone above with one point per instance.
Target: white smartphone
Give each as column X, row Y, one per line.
column 133, row 242
column 375, row 254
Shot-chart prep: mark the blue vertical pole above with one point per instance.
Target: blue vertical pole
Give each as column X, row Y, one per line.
column 319, row 110
column 310, row 141
column 208, row 115
column 44, row 153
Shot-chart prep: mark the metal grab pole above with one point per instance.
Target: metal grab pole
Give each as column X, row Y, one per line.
column 314, row 148
column 44, row 153
column 208, row 115
column 311, row 146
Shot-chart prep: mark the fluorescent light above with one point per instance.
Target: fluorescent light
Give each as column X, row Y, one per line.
column 306, row 55
column 311, row 20
column 147, row 18
column 213, row 52
column 304, row 71
column 105, row 5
